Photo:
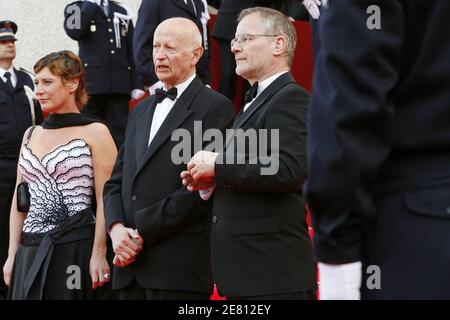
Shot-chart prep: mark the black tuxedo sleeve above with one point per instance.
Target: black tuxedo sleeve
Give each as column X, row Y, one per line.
column 350, row 121
column 148, row 20
column 182, row 208
column 87, row 12
column 287, row 115
column 112, row 194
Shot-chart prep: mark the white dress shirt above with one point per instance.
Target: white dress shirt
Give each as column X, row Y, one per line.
column 13, row 75
column 163, row 108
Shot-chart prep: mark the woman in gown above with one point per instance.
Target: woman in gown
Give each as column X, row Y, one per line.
column 58, row 248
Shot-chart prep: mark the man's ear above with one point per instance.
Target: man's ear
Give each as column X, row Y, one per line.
column 280, row 46
column 72, row 85
column 197, row 54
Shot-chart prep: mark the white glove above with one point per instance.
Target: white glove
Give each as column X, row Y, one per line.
column 340, row 281
column 136, row 94
column 313, row 8
column 97, row 2
column 155, row 86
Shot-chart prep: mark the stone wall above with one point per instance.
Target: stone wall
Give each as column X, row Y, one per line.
column 41, row 29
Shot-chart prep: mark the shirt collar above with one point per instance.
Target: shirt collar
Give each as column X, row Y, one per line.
column 181, row 87
column 266, row 82
column 10, row 70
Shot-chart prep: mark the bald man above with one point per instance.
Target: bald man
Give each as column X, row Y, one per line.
column 161, row 231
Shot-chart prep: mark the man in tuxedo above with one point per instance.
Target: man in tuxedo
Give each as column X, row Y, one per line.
column 260, row 243
column 161, row 231
column 153, row 12
column 379, row 149
column 105, row 37
column 225, row 28
column 18, row 111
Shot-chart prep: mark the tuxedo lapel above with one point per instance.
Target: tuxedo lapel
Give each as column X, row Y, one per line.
column 143, row 126
column 179, row 113
column 256, row 105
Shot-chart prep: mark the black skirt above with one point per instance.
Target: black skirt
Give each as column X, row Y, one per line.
column 67, row 277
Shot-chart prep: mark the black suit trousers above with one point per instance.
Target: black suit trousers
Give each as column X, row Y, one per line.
column 135, row 292
column 113, row 108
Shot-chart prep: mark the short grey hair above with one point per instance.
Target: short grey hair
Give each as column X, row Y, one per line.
column 274, row 22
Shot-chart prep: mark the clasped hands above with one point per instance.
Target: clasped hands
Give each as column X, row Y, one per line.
column 127, row 243
column 200, row 171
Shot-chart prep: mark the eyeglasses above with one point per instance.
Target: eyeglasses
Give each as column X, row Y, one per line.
column 243, row 39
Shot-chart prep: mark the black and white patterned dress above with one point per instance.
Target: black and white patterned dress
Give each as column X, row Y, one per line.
column 61, row 185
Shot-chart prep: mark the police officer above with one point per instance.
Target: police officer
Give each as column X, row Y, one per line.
column 18, row 111
column 379, row 149
column 104, row 32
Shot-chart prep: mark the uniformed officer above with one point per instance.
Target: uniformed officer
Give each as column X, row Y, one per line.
column 18, row 111
column 104, row 32
column 379, row 149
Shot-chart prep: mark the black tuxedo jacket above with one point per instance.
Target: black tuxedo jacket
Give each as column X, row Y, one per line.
column 151, row 14
column 145, row 192
column 260, row 242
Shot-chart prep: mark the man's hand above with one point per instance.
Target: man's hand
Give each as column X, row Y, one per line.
column 201, row 170
column 313, row 8
column 127, row 243
column 192, row 185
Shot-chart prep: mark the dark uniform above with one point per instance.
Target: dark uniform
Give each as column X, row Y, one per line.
column 379, row 144
column 151, row 14
column 15, row 118
column 106, row 51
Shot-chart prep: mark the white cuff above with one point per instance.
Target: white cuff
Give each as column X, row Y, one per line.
column 207, row 193
column 340, row 281
column 136, row 94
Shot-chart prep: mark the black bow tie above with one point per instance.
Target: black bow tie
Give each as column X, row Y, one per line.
column 251, row 93
column 161, row 94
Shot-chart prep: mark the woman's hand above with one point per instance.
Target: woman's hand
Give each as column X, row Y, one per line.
column 7, row 270
column 99, row 269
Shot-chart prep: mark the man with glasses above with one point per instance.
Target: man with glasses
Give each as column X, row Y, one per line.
column 18, row 111
column 260, row 243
